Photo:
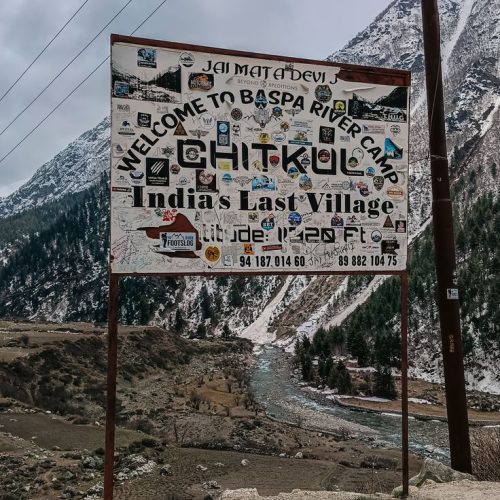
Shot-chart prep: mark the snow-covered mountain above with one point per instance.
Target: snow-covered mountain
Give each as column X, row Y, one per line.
column 470, row 47
column 74, row 169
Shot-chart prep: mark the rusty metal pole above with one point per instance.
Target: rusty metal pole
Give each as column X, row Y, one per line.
column 447, row 292
column 111, row 386
column 404, row 380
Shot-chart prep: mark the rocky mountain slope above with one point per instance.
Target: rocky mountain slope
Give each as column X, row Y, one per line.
column 58, row 271
column 73, row 170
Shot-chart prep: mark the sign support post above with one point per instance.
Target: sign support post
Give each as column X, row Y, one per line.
column 404, row 380
column 444, row 242
column 111, row 385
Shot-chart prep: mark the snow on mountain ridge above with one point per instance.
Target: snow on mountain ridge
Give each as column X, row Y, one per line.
column 74, row 169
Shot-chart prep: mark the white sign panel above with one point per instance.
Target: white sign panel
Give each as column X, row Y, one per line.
column 224, row 162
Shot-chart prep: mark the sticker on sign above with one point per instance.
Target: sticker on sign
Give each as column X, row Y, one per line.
column 177, row 242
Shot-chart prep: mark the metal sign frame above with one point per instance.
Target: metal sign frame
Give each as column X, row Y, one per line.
column 359, row 74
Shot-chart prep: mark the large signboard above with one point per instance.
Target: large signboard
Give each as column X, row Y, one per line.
column 226, row 162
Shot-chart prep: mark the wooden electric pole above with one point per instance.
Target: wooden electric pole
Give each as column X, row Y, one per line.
column 447, row 293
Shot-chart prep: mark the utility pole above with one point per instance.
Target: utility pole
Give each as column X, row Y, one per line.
column 449, row 312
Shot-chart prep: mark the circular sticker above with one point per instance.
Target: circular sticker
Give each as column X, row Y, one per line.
column 268, row 222
column 305, row 183
column 277, row 112
column 370, row 171
column 274, row 160
column 376, row 236
column 293, row 172
column 358, row 153
column 212, row 254
column 324, row 155
column 207, row 121
column 192, row 154
column 294, row 218
column 363, row 189
column 279, row 136
column 236, row 114
column 227, row 179
column 205, row 177
column 323, row 93
column 136, row 177
column 305, row 161
column 396, row 193
column 352, row 162
column 264, row 137
column 222, row 127
column 284, row 126
column 175, row 169
column 186, row 59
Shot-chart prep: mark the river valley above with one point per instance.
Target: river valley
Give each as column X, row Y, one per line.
column 284, row 399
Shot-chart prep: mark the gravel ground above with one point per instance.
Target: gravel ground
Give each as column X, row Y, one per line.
column 456, row 490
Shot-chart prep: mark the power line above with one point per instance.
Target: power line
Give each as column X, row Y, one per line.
column 65, row 68
column 59, row 104
column 43, row 50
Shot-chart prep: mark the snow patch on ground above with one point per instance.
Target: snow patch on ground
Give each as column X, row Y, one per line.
column 258, row 332
column 419, row 401
column 373, row 399
column 447, row 49
column 489, row 120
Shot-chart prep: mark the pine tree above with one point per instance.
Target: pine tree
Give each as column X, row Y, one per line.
column 235, row 298
column 344, row 382
column 307, row 368
column 201, row 331
column 205, row 303
column 226, row 332
column 384, row 386
column 179, row 322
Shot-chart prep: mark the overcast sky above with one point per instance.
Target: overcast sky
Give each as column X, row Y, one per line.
column 301, row 28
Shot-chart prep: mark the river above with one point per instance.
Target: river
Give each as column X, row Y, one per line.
column 284, row 399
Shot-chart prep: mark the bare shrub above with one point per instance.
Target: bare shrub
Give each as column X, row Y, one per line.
column 142, row 424
column 343, row 433
column 195, row 400
column 485, row 445
column 181, row 429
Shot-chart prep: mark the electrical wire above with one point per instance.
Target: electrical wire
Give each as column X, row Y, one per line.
column 60, row 103
column 42, row 51
column 64, row 69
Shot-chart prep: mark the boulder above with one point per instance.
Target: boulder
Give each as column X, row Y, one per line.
column 245, row 462
column 439, row 473
column 166, row 470
column 398, row 491
column 299, row 454
column 211, row 485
